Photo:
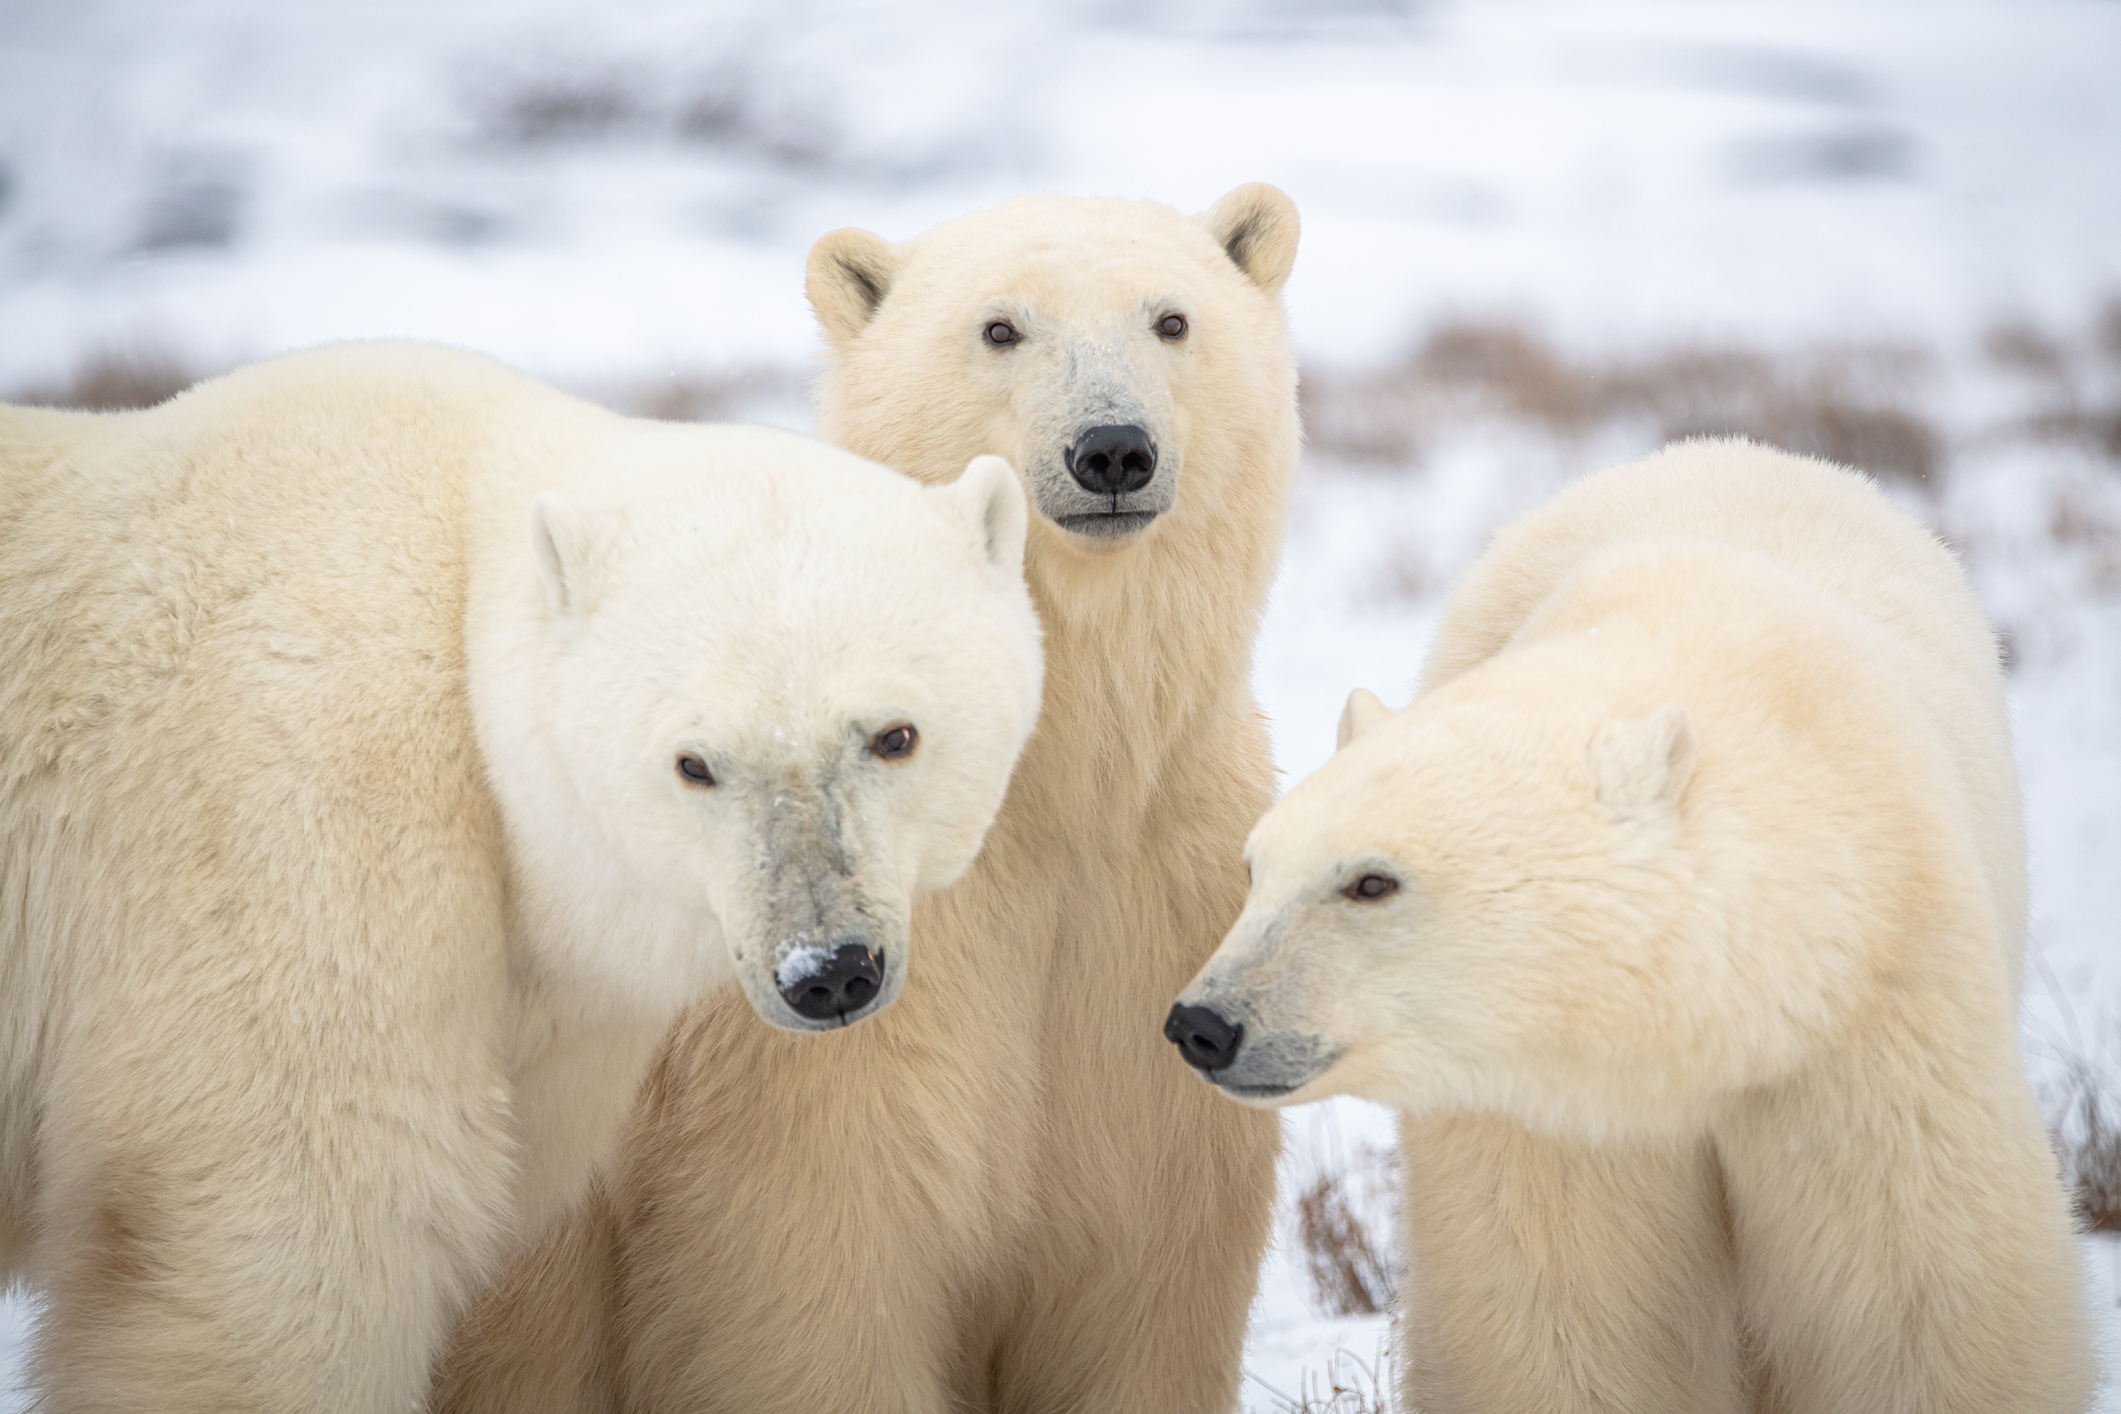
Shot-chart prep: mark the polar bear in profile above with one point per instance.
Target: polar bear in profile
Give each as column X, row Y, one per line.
column 1682, row 917
column 390, row 747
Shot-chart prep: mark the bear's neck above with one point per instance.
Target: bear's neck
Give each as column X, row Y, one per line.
column 1148, row 647
column 1141, row 658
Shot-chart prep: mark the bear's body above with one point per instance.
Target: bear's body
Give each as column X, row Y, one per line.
column 1001, row 1195
column 1681, row 915
column 329, row 963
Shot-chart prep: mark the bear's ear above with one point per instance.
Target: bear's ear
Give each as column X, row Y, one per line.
column 1637, row 762
column 570, row 543
column 1256, row 226
column 1363, row 712
column 991, row 501
column 849, row 274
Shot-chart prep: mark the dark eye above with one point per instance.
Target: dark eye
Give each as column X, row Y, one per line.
column 895, row 743
column 1371, row 887
column 1001, row 333
column 693, row 771
column 1172, row 326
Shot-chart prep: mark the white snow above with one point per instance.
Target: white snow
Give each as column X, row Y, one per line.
column 621, row 198
column 799, row 963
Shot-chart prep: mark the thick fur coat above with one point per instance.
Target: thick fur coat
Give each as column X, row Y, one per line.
column 346, row 883
column 1003, row 1194
column 1682, row 916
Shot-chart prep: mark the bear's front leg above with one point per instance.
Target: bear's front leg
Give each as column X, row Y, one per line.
column 1546, row 1276
column 252, row 1267
column 277, row 1156
column 1151, row 1194
column 1141, row 1307
column 1903, row 1246
column 791, row 1237
column 542, row 1338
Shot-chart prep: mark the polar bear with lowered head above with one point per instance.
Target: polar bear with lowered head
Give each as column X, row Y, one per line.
column 1681, row 916
column 389, row 747
column 1001, row 1195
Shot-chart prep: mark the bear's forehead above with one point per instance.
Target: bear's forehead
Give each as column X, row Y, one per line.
column 1102, row 272
column 1420, row 780
column 1062, row 240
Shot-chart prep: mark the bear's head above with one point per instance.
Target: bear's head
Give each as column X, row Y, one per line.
column 767, row 693
column 1130, row 361
column 1484, row 901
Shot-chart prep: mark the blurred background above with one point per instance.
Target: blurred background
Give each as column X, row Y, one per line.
column 1538, row 237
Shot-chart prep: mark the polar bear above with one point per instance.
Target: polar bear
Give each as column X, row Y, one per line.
column 1001, row 1195
column 1681, row 917
column 391, row 746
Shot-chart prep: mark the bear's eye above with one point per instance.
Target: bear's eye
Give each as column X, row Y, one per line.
column 693, row 771
column 1001, row 333
column 895, row 743
column 1371, row 887
column 1172, row 326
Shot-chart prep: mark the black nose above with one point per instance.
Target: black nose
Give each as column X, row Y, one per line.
column 823, row 985
column 1206, row 1040
column 1112, row 460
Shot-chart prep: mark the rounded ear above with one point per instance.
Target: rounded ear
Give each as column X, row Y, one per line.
column 1363, row 712
column 1256, row 226
column 1638, row 762
column 849, row 273
column 569, row 543
column 991, row 500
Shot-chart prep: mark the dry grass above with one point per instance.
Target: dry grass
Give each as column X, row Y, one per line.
column 2087, row 1135
column 760, row 394
column 731, row 107
column 122, row 379
column 548, row 110
column 1350, row 1275
column 115, row 380
column 2106, row 329
column 1347, row 1385
column 2077, row 517
column 1849, row 404
column 2075, row 382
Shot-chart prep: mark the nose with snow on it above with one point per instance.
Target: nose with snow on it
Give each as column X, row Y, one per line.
column 1111, row 461
column 1208, row 1042
column 820, row 983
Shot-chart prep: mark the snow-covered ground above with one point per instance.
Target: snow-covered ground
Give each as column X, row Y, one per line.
column 621, row 196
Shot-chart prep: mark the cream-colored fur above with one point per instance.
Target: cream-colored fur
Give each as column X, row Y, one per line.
column 346, row 883
column 1692, row 967
column 1001, row 1195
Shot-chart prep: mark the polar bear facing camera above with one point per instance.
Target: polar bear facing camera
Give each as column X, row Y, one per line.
column 842, row 714
column 1681, row 917
column 973, row 1201
column 390, row 746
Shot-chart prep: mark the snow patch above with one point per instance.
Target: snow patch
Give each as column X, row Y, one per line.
column 801, row 963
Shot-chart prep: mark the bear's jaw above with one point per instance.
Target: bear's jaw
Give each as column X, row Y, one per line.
column 1272, row 1066
column 1107, row 526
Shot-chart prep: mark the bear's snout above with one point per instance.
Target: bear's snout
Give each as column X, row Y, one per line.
column 1203, row 1037
column 820, row 983
column 1112, row 460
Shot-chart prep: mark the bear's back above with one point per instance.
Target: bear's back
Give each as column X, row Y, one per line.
column 279, row 545
column 231, row 669
column 1828, row 526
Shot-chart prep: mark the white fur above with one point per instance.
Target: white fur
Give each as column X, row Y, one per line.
column 1004, row 1194
column 346, row 880
column 1698, row 986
